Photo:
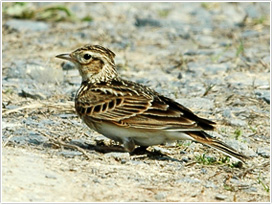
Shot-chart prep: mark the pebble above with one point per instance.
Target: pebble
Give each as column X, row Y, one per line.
column 206, row 52
column 204, row 171
column 250, row 34
column 44, row 74
column 183, row 152
column 220, row 196
column 237, row 122
column 227, row 113
column 69, row 153
column 205, row 41
column 80, row 142
column 123, row 161
column 162, row 150
column 263, row 94
column 266, row 59
column 37, row 139
column 134, row 162
column 23, row 136
column 250, row 153
column 251, row 189
column 160, row 196
column 235, row 180
column 50, row 176
column 188, row 180
column 118, row 155
column 67, row 65
column 253, row 11
column 67, row 116
column 96, row 181
column 141, row 22
column 9, row 125
column 210, row 184
column 216, row 68
column 264, row 151
column 185, row 159
column 31, row 94
column 36, row 71
column 197, row 103
column 22, row 25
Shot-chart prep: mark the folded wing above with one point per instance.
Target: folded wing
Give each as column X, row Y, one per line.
column 126, row 106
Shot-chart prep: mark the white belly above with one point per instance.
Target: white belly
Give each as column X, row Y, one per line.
column 143, row 137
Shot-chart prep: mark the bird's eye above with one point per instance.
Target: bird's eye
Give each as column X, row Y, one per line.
column 87, row 56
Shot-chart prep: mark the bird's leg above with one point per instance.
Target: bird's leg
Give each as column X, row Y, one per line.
column 129, row 144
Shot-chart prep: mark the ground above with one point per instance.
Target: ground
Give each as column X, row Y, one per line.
column 214, row 58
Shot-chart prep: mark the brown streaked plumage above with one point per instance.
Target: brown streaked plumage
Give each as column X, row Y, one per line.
column 129, row 112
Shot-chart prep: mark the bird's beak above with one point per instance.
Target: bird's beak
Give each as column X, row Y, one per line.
column 65, row 56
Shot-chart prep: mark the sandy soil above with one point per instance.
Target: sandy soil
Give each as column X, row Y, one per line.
column 49, row 155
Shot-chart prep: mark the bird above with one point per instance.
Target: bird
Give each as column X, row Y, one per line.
column 131, row 113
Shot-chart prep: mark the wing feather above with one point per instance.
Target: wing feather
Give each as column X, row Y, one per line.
column 121, row 105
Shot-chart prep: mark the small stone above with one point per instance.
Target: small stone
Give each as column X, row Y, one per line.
column 252, row 189
column 185, row 159
column 96, row 181
column 183, row 152
column 205, row 41
column 220, row 196
column 264, row 152
column 67, row 66
column 203, row 171
column 210, row 185
column 44, row 74
column 161, row 150
column 234, row 181
column 9, row 125
column 140, row 22
column 160, row 196
column 250, row 34
column 188, row 180
column 179, row 76
column 216, row 68
column 70, row 154
column 119, row 61
column 227, row 113
column 134, row 162
column 33, row 95
column 67, row 116
column 50, row 176
column 263, row 94
column 27, row 25
column 118, row 155
column 194, row 195
column 80, row 143
column 266, row 59
column 238, row 122
column 197, row 103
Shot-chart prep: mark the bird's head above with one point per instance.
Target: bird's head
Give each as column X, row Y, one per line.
column 95, row 63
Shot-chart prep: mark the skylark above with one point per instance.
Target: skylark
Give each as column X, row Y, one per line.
column 131, row 113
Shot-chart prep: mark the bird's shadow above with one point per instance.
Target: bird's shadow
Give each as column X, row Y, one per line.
column 139, row 151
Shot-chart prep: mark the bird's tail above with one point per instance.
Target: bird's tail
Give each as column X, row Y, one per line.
column 208, row 140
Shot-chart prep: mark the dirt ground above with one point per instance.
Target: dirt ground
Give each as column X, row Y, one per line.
column 213, row 58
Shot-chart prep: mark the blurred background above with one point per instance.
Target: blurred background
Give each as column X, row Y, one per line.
column 212, row 57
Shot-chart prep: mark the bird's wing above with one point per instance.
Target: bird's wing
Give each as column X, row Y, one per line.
column 136, row 106
column 109, row 103
column 164, row 113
